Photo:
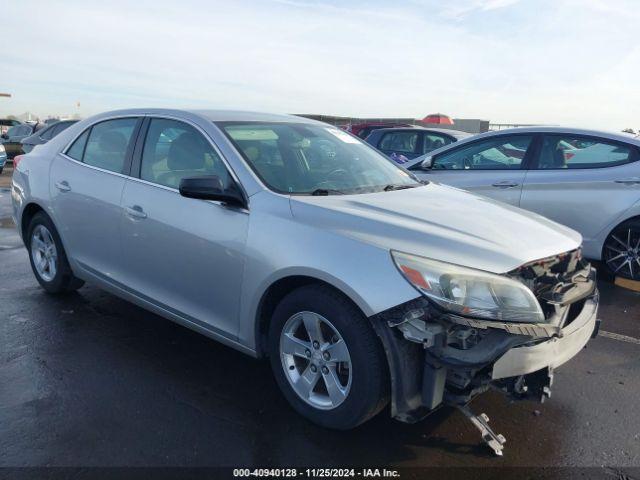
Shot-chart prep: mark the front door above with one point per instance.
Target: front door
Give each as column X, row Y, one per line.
column 184, row 255
column 86, row 185
column 493, row 167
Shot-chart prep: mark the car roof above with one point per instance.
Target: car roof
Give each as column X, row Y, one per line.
column 447, row 131
column 214, row 115
column 531, row 130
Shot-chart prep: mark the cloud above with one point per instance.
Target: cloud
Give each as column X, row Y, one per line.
column 506, row 61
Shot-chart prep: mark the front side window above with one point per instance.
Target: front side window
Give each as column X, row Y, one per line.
column 498, row 153
column 174, row 150
column 574, row 152
column 108, row 142
column 303, row 159
column 399, row 142
column 432, row 141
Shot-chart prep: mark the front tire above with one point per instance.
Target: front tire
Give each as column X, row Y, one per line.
column 326, row 358
column 48, row 258
column 621, row 251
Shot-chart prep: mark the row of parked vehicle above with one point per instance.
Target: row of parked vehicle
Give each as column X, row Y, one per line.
column 18, row 137
column 587, row 180
column 287, row 238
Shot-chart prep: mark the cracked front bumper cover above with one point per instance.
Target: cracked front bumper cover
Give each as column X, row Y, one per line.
column 551, row 353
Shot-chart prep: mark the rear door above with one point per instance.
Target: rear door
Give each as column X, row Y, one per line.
column 583, row 182
column 494, row 166
column 86, row 186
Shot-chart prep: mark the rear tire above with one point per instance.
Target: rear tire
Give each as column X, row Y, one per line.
column 621, row 250
column 48, row 258
column 351, row 384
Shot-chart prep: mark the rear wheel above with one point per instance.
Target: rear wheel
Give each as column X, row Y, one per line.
column 327, row 359
column 621, row 251
column 47, row 256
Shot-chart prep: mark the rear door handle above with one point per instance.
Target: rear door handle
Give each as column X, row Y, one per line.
column 63, row 186
column 505, row 184
column 629, row 181
column 135, row 212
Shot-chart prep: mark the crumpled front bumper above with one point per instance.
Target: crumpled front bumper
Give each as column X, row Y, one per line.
column 554, row 352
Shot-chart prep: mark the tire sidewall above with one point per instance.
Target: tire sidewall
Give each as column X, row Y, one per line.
column 623, row 227
column 58, row 282
column 363, row 394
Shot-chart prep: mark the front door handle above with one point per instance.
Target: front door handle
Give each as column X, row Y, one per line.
column 629, row 181
column 63, row 186
column 135, row 212
column 505, row 184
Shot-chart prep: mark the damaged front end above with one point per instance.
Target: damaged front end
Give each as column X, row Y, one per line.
column 441, row 357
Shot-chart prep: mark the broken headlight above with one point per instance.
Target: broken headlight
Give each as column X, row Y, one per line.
column 469, row 292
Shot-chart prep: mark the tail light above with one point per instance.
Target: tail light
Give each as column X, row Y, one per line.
column 16, row 161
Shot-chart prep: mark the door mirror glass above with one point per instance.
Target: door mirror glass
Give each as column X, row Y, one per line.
column 210, row 187
column 427, row 163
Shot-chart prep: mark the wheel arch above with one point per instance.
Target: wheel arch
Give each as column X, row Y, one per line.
column 28, row 212
column 276, row 291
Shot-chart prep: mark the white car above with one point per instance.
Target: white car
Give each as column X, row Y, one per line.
column 587, row 180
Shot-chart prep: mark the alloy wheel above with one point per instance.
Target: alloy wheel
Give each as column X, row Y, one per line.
column 44, row 253
column 622, row 253
column 316, row 360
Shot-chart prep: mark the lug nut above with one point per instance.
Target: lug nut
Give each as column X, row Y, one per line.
column 314, row 369
column 325, row 370
column 316, row 345
column 326, row 356
column 307, row 352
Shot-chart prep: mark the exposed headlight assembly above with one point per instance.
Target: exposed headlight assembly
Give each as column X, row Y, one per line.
column 469, row 292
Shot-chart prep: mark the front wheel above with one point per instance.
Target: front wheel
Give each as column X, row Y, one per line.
column 327, row 359
column 621, row 251
column 47, row 256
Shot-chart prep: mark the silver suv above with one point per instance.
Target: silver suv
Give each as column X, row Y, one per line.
column 290, row 239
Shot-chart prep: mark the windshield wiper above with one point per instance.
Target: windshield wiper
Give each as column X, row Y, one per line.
column 392, row 187
column 323, row 192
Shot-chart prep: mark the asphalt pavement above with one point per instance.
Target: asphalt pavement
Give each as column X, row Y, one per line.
column 91, row 380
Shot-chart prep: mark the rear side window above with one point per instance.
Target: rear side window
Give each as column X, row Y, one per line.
column 572, row 152
column 47, row 134
column 108, row 142
column 77, row 149
column 399, row 142
column 432, row 141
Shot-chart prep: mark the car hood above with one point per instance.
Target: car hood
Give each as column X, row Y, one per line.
column 442, row 223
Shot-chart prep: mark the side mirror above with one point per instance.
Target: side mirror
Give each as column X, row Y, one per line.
column 427, row 163
column 210, row 187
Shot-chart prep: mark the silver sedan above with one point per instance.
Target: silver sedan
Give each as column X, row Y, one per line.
column 587, row 180
column 291, row 239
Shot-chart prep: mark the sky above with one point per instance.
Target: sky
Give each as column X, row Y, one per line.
column 567, row 62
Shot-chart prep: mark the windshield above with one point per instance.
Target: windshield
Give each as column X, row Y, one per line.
column 299, row 158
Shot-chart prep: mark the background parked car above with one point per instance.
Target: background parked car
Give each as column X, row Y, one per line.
column 587, row 180
column 3, row 158
column 45, row 134
column 363, row 130
column 412, row 142
column 6, row 124
column 11, row 140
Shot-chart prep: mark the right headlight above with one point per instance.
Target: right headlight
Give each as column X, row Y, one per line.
column 469, row 292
